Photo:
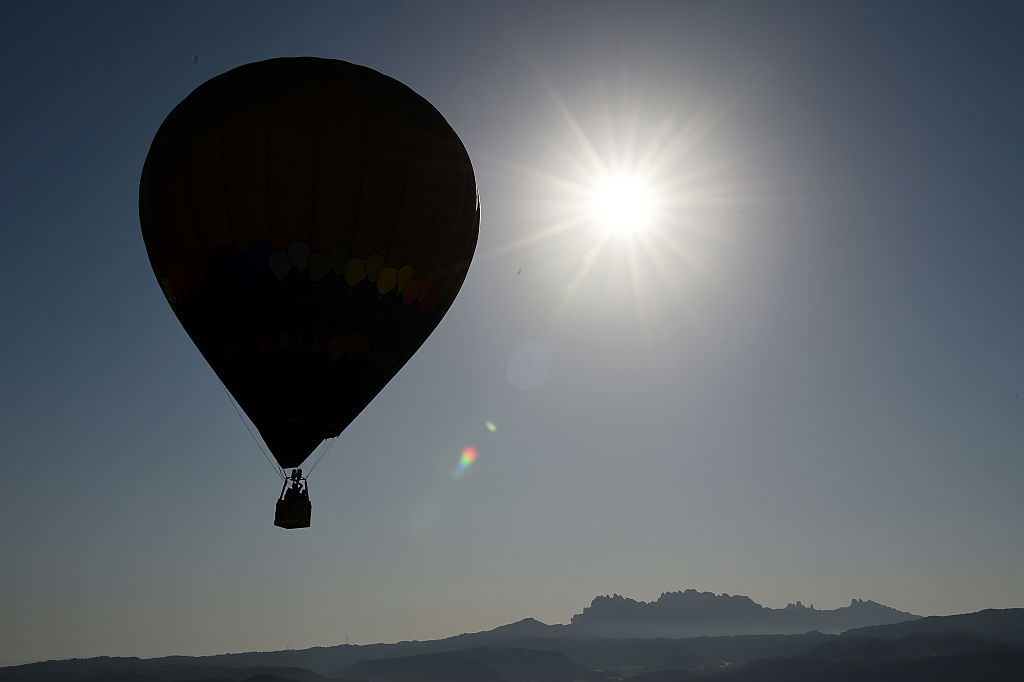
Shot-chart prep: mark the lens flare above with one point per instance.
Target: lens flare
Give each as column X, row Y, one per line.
column 529, row 365
column 468, row 457
column 491, row 426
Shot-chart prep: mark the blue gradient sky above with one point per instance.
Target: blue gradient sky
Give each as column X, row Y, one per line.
column 816, row 396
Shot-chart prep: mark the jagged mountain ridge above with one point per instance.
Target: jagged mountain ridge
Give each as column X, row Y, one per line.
column 690, row 613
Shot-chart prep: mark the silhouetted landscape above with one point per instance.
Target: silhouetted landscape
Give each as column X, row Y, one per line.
column 763, row 644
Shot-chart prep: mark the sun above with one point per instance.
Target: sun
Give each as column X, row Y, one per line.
column 633, row 198
column 622, row 203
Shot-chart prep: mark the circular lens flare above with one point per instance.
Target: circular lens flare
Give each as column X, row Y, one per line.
column 622, row 203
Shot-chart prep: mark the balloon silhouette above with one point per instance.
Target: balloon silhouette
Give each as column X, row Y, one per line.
column 310, row 222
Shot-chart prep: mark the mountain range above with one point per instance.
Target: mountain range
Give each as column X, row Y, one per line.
column 691, row 614
column 984, row 645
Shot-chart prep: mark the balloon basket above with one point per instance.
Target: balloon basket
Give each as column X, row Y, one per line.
column 293, row 513
column 293, row 506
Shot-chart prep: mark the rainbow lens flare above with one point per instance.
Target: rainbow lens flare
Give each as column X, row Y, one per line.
column 468, row 457
column 491, row 426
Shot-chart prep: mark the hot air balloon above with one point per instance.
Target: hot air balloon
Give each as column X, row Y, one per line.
column 310, row 221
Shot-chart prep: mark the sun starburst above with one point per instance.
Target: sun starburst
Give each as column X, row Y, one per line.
column 622, row 203
column 632, row 199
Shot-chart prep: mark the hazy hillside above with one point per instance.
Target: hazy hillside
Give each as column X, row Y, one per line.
column 152, row 670
column 471, row 665
column 449, row 667
column 959, row 668
column 1005, row 625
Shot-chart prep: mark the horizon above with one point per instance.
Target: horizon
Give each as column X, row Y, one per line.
column 746, row 312
column 525, row 619
column 488, row 629
column 987, row 643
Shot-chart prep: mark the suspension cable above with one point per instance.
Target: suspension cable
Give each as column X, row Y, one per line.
column 273, row 465
column 315, row 454
column 323, row 453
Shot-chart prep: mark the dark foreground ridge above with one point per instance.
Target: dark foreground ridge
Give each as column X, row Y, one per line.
column 985, row 645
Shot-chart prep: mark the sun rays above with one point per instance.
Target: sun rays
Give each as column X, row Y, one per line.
column 632, row 193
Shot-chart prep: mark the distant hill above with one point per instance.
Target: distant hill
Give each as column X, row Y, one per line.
column 691, row 613
column 527, row 627
column 1005, row 625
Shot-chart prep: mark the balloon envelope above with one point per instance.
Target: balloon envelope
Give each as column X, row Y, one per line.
column 309, row 221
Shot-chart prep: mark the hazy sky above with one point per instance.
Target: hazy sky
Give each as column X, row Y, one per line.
column 803, row 382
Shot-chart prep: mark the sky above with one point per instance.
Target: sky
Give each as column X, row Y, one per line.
column 799, row 378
